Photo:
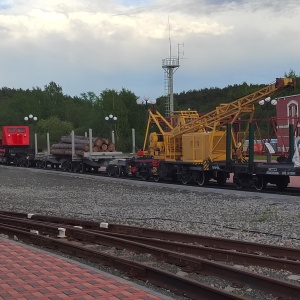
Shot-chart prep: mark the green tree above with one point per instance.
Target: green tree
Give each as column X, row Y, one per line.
column 56, row 129
column 291, row 74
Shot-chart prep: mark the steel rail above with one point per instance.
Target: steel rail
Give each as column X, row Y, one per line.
column 191, row 264
column 204, row 252
column 201, row 251
column 178, row 285
column 206, row 241
column 218, row 254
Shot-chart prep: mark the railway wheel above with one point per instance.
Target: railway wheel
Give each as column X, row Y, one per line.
column 66, row 166
column 45, row 164
column 25, row 163
column 110, row 170
column 237, row 180
column 16, row 161
column 201, row 178
column 81, row 168
column 144, row 176
column 185, row 179
column 238, row 185
column 156, row 178
column 118, row 171
column 260, row 183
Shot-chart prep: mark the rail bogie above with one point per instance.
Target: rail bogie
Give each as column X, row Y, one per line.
column 119, row 167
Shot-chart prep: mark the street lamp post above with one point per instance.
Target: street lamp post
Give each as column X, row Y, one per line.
column 268, row 104
column 111, row 118
column 145, row 101
column 30, row 119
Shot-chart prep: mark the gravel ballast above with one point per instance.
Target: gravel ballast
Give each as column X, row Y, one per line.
column 233, row 214
column 255, row 217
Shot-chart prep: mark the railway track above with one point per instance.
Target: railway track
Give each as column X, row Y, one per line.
column 145, row 254
column 270, row 190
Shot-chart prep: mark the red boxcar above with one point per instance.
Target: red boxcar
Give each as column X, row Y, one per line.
column 287, row 114
column 15, row 136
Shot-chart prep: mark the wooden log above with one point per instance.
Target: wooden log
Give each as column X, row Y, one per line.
column 80, row 137
column 84, row 147
column 68, row 140
column 105, row 141
column 104, row 147
column 111, row 147
column 66, row 152
column 98, row 142
column 96, row 148
column 79, row 152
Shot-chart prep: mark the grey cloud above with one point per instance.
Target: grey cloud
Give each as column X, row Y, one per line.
column 92, row 54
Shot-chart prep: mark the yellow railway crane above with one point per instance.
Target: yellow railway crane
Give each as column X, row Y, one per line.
column 189, row 137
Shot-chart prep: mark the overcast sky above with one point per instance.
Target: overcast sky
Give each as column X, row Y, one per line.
column 92, row 45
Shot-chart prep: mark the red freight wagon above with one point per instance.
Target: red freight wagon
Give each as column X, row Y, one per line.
column 287, row 114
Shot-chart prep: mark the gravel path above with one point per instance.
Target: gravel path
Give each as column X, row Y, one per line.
column 237, row 214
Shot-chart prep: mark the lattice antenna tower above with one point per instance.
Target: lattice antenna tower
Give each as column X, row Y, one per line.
column 170, row 65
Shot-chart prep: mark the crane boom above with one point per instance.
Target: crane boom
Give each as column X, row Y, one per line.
column 228, row 113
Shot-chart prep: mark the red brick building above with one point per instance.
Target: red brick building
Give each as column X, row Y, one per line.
column 288, row 112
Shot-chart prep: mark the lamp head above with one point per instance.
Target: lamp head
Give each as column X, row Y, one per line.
column 268, row 99
column 274, row 102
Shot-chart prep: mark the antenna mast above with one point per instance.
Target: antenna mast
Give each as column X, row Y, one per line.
column 170, row 65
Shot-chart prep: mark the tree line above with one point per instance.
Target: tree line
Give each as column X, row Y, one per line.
column 58, row 114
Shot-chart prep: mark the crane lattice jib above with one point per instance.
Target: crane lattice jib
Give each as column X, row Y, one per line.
column 228, row 113
column 162, row 124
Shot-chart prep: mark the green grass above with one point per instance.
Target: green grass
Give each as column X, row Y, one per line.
column 268, row 214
